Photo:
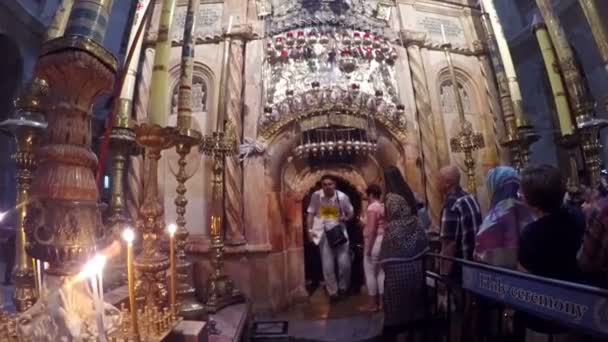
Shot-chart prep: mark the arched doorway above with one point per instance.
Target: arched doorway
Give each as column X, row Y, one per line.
column 313, row 272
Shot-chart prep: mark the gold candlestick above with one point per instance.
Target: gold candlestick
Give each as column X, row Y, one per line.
column 520, row 133
column 188, row 306
column 129, row 235
column 152, row 264
column 26, row 125
column 221, row 291
column 466, row 140
column 588, row 126
column 557, row 85
column 598, row 29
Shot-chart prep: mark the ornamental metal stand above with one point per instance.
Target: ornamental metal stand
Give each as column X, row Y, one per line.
column 188, row 306
column 26, row 126
column 221, row 291
column 466, row 140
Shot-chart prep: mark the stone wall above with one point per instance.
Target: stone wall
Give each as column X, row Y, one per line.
column 269, row 267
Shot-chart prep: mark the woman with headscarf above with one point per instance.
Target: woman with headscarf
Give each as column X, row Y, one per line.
column 402, row 257
column 498, row 236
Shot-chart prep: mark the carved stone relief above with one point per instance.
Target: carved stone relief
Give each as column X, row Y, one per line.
column 208, row 22
column 448, row 100
column 199, row 96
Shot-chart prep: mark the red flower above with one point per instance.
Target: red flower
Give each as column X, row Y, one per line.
column 289, row 34
column 300, row 33
column 283, row 53
column 357, row 34
column 279, row 39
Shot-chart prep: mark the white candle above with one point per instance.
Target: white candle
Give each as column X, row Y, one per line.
column 39, row 275
column 445, row 41
column 100, row 288
column 98, row 309
column 229, row 25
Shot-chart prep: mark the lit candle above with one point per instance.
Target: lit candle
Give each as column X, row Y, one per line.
column 445, row 40
column 93, row 270
column 172, row 228
column 128, row 235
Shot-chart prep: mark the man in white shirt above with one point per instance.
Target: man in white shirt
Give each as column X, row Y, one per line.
column 329, row 208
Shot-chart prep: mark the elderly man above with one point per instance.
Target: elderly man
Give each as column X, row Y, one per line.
column 460, row 219
column 328, row 209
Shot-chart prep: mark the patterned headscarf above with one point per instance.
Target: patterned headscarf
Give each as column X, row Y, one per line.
column 496, row 241
column 503, row 183
column 404, row 237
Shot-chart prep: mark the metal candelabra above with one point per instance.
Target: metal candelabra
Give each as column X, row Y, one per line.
column 221, row 291
column 466, row 141
column 187, row 304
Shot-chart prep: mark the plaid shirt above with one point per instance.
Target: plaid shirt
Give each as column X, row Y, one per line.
column 460, row 219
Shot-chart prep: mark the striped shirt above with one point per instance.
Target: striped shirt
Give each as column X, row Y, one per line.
column 460, row 220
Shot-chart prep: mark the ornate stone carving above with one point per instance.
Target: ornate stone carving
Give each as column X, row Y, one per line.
column 199, row 96
column 332, row 100
column 428, row 136
column 234, row 172
column 448, row 98
column 361, row 15
column 208, row 23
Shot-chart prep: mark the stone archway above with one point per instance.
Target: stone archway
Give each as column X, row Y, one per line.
column 290, row 178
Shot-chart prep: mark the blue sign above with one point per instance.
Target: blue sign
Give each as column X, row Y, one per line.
column 585, row 310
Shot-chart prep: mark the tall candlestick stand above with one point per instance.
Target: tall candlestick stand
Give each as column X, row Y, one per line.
column 188, row 306
column 466, row 140
column 221, row 291
column 63, row 224
column 122, row 140
column 152, row 263
column 520, row 133
column 588, row 126
column 598, row 29
column 26, row 125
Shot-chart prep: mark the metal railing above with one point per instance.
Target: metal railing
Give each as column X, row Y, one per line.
column 488, row 303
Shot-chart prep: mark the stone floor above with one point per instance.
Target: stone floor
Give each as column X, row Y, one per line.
column 318, row 320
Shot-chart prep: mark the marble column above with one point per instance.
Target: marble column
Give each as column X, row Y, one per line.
column 413, row 41
column 234, row 111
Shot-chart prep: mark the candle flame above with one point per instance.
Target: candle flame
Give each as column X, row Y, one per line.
column 128, row 235
column 172, row 228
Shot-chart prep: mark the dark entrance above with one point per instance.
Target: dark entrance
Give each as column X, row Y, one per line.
column 312, row 260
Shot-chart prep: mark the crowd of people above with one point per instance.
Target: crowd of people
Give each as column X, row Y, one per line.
column 532, row 226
